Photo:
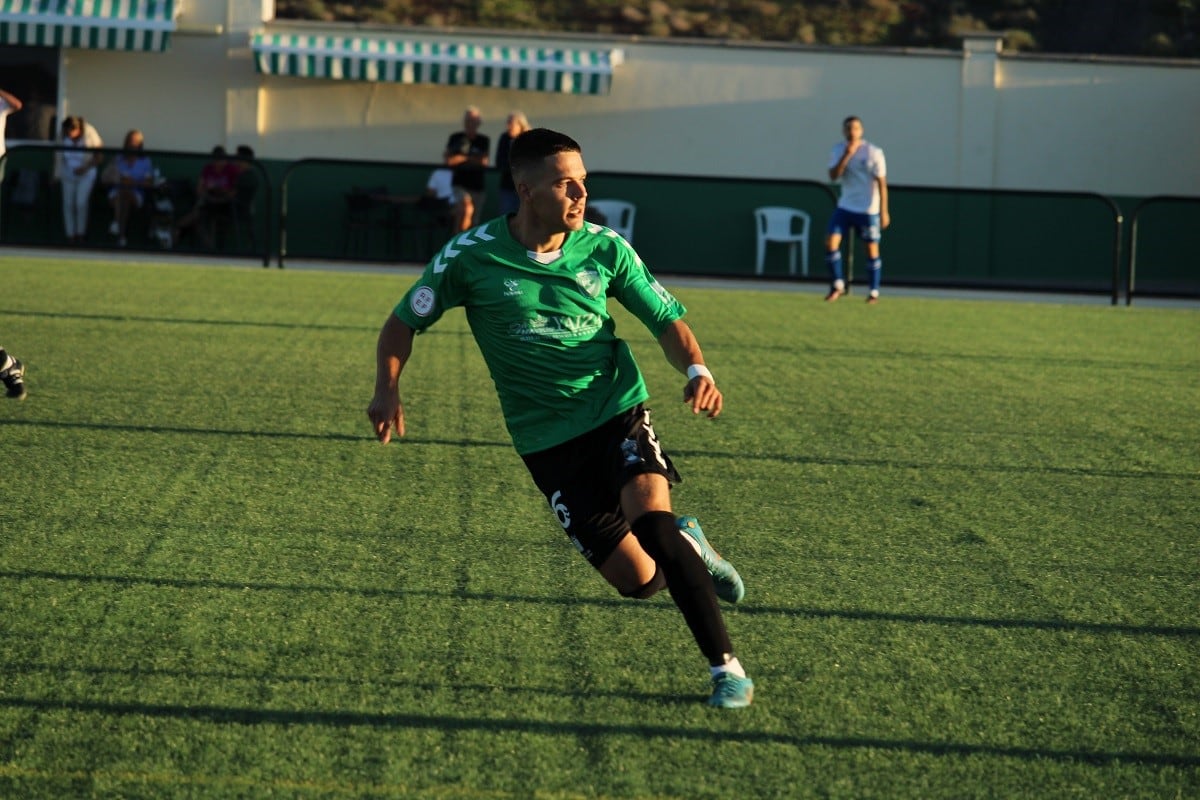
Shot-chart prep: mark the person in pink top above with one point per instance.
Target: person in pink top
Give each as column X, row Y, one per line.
column 215, row 193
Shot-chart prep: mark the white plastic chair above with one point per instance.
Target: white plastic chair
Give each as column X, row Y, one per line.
column 782, row 224
column 619, row 215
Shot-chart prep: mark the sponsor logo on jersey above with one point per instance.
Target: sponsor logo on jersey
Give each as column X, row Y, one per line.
column 512, row 287
column 540, row 327
column 421, row 301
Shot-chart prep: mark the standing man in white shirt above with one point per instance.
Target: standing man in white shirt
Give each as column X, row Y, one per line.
column 863, row 206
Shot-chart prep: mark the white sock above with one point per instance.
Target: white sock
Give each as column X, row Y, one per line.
column 732, row 665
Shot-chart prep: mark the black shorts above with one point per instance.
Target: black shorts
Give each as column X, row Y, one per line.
column 582, row 479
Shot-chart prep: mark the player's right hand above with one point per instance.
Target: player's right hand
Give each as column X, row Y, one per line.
column 386, row 413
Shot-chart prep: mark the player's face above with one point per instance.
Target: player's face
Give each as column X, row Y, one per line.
column 557, row 195
column 853, row 129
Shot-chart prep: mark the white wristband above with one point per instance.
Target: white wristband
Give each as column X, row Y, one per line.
column 696, row 370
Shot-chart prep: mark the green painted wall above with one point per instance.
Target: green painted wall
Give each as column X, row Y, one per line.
column 705, row 226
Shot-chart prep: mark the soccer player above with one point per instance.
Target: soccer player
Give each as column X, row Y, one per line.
column 535, row 287
column 12, row 374
column 863, row 206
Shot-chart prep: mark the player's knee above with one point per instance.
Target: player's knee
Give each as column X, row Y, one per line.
column 649, row 588
column 658, row 534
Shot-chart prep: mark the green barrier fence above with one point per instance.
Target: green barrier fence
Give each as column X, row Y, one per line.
column 31, row 206
column 1158, row 237
column 352, row 210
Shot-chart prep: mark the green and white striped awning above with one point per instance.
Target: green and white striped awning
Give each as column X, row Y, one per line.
column 355, row 58
column 88, row 24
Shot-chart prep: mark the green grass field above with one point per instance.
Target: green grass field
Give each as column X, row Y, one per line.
column 970, row 533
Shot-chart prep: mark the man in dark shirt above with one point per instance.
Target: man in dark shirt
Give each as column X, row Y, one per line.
column 467, row 154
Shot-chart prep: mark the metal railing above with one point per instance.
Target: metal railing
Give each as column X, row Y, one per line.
column 366, row 198
column 32, row 221
column 1135, row 217
column 949, row 237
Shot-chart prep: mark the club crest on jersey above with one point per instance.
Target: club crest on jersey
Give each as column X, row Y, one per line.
column 512, row 287
column 589, row 281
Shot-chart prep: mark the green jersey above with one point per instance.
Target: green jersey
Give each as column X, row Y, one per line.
column 544, row 328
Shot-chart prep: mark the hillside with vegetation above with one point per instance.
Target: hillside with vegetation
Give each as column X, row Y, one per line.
column 1160, row 28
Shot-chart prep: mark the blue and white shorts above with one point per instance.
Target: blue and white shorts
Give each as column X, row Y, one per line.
column 866, row 225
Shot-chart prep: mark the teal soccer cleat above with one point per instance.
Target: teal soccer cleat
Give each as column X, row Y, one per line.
column 726, row 581
column 730, row 691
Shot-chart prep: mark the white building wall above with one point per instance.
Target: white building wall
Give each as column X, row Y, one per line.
column 945, row 118
column 1115, row 128
column 177, row 99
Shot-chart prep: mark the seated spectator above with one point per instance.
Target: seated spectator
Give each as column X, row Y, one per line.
column 216, row 191
column 445, row 201
column 75, row 166
column 438, row 199
column 248, row 181
column 129, row 177
column 244, row 155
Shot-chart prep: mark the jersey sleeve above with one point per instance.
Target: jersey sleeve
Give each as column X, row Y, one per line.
column 634, row 287
column 439, row 288
column 878, row 162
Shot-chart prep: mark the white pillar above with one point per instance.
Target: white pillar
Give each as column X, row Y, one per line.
column 978, row 110
column 243, row 98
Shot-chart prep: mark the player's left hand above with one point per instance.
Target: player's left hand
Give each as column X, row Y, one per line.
column 703, row 395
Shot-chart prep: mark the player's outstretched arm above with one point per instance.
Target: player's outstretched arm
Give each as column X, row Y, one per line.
column 683, row 352
column 391, row 352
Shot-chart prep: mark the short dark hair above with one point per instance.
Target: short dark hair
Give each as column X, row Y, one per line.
column 537, row 144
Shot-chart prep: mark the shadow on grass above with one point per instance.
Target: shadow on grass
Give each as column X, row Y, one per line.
column 779, row 458
column 891, row 463
column 366, row 436
column 555, row 728
column 239, row 323
column 1038, row 359
column 597, row 602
